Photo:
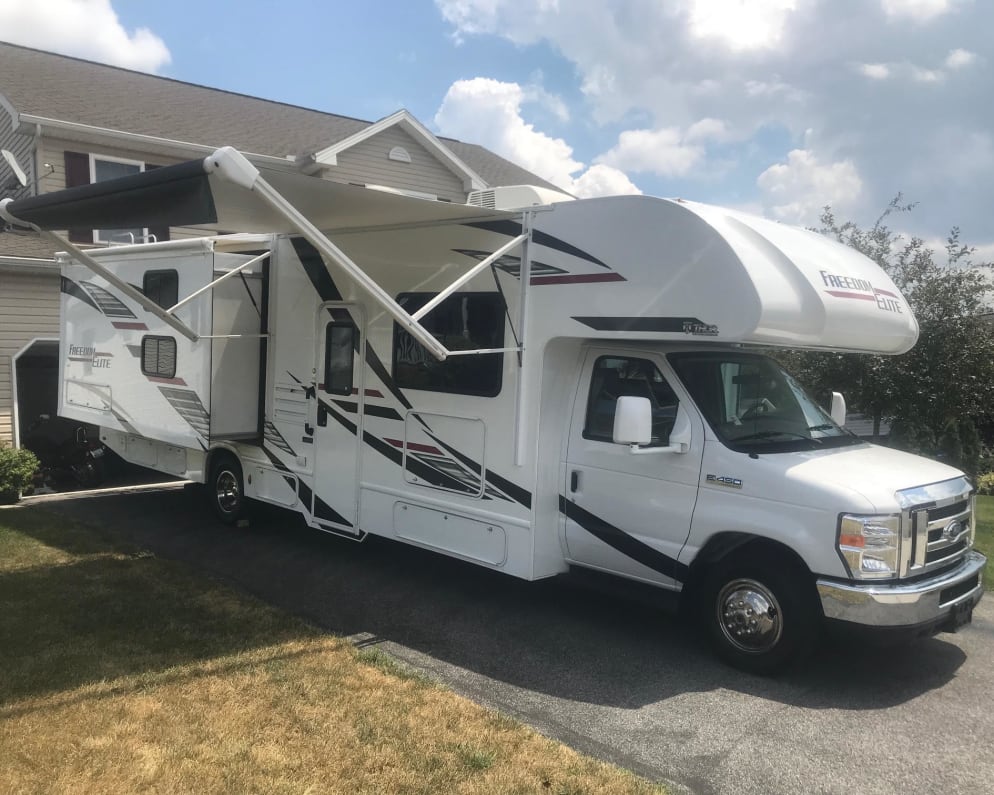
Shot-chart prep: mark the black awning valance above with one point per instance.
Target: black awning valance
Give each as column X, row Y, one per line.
column 178, row 195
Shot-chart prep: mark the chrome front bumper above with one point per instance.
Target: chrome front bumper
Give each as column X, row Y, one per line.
column 923, row 602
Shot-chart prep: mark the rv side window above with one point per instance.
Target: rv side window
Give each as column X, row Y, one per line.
column 159, row 356
column 339, row 353
column 161, row 287
column 614, row 376
column 463, row 321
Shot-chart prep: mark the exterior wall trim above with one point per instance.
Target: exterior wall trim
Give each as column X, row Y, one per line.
column 471, row 180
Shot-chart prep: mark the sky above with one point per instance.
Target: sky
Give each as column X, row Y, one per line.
column 778, row 107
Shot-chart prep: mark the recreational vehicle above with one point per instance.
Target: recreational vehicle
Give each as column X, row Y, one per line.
column 528, row 382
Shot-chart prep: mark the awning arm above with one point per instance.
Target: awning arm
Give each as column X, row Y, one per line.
column 135, row 295
column 230, row 164
column 480, row 266
column 218, row 280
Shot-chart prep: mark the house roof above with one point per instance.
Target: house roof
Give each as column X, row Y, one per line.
column 57, row 87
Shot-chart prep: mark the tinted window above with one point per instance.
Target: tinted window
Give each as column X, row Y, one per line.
column 161, row 287
column 339, row 353
column 614, row 376
column 464, row 321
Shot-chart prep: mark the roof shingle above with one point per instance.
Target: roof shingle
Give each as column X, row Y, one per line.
column 70, row 89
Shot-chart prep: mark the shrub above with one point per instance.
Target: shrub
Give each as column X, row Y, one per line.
column 985, row 484
column 17, row 468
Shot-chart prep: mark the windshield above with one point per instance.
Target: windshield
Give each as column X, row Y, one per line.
column 754, row 406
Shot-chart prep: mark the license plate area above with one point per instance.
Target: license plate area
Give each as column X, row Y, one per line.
column 960, row 615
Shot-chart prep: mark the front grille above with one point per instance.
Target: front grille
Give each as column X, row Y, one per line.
column 935, row 514
column 938, row 526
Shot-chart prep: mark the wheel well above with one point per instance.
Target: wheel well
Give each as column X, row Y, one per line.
column 721, row 545
column 217, row 454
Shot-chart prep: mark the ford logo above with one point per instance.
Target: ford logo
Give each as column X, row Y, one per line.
column 953, row 530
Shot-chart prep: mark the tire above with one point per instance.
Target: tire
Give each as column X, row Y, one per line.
column 226, row 489
column 760, row 614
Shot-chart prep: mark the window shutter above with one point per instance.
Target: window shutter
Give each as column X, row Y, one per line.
column 78, row 173
column 160, row 232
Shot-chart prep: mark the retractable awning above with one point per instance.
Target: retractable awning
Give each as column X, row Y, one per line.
column 226, row 192
column 217, row 193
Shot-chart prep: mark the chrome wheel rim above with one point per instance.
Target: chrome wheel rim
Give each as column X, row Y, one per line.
column 227, row 492
column 749, row 616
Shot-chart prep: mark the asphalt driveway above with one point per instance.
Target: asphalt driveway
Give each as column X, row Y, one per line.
column 611, row 678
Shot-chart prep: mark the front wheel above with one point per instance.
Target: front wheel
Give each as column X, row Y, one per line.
column 759, row 615
column 227, row 489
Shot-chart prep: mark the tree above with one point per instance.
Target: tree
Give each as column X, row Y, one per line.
column 933, row 394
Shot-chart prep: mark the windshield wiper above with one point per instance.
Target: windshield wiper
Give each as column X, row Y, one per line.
column 771, row 434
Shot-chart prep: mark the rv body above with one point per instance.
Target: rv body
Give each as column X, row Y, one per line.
column 728, row 486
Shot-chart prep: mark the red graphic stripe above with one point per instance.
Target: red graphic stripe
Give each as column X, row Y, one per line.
column 417, row 448
column 159, row 380
column 373, row 393
column 843, row 294
column 886, row 292
column 579, row 278
column 129, row 326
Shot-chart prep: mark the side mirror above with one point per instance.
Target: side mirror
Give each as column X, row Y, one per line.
column 632, row 420
column 633, row 426
column 838, row 411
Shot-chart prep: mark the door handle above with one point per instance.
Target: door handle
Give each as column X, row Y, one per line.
column 322, row 415
column 574, row 480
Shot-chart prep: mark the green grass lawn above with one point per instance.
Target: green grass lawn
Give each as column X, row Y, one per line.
column 123, row 672
column 985, row 536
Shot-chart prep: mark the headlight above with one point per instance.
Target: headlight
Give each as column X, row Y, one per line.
column 870, row 546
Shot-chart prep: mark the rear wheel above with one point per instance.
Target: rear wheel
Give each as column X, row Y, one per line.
column 759, row 614
column 227, row 489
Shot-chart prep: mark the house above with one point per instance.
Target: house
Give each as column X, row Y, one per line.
column 66, row 122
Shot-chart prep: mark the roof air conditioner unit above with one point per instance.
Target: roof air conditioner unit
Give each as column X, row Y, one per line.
column 516, row 197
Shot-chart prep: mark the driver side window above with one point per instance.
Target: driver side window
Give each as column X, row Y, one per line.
column 614, row 376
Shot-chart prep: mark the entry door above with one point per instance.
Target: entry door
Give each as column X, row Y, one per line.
column 626, row 513
column 338, row 374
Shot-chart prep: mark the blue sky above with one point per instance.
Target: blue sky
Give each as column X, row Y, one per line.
column 775, row 106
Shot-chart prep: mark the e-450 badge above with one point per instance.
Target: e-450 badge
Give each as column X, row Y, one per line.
column 723, row 480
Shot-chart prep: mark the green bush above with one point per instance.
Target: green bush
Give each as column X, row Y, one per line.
column 17, row 469
column 985, row 484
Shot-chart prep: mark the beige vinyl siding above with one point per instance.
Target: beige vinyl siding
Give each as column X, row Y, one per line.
column 22, row 147
column 29, row 308
column 366, row 163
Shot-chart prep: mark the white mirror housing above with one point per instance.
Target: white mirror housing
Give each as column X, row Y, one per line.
column 838, row 410
column 632, row 420
column 633, row 426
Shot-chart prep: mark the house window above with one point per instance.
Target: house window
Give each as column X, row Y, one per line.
column 159, row 357
column 463, row 321
column 83, row 169
column 161, row 287
column 102, row 169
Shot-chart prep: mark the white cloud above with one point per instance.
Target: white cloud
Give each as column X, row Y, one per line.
column 601, row 180
column 488, row 112
column 917, row 10
column 860, row 77
column 740, row 24
column 797, row 190
column 663, row 152
column 959, row 58
column 84, row 28
column 875, row 71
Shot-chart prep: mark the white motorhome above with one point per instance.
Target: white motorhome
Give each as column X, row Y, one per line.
column 573, row 385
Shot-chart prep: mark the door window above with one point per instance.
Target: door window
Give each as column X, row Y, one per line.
column 614, row 376
column 339, row 355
